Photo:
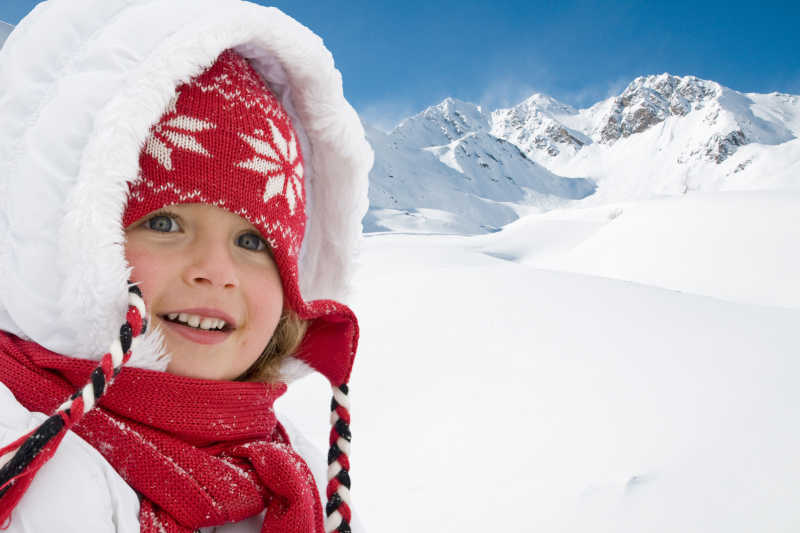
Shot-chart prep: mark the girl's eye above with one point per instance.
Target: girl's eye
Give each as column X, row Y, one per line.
column 251, row 241
column 163, row 223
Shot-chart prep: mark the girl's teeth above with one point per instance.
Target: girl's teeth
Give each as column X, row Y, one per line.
column 197, row 321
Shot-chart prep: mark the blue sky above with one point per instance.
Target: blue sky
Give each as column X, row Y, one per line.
column 399, row 57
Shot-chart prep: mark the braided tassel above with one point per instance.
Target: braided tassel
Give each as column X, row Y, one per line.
column 338, row 492
column 20, row 460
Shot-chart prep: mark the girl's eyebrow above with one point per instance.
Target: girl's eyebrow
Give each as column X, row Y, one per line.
column 164, row 211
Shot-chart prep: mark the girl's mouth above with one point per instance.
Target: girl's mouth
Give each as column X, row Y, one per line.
column 197, row 321
column 201, row 330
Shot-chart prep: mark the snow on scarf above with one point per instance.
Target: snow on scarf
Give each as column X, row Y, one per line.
column 199, row 453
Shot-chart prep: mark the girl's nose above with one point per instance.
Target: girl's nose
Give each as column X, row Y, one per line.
column 211, row 264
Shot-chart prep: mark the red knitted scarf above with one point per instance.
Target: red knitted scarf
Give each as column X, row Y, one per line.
column 199, row 453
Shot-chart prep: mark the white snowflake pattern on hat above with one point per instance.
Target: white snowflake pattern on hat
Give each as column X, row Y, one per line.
column 175, row 133
column 279, row 154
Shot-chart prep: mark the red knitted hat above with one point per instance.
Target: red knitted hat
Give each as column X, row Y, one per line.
column 225, row 140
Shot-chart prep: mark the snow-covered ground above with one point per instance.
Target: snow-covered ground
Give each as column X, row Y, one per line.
column 505, row 383
column 735, row 245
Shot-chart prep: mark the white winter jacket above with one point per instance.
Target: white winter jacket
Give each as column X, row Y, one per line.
column 81, row 82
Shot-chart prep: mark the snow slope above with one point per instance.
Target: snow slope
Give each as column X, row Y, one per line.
column 490, row 395
column 412, row 188
column 500, row 170
column 738, row 246
column 473, row 184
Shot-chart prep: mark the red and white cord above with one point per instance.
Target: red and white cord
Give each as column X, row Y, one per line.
column 338, row 491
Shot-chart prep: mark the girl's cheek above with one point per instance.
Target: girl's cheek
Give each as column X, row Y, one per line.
column 146, row 266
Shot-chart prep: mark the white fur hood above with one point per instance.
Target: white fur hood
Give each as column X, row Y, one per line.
column 81, row 82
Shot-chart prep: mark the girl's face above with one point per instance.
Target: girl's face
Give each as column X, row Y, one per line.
column 210, row 283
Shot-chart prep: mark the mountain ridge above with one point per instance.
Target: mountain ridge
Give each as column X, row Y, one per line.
column 662, row 135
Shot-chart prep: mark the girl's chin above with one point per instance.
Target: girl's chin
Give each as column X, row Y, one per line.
column 196, row 367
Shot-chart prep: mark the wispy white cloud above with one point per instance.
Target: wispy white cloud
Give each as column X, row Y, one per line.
column 592, row 93
column 505, row 92
column 501, row 93
column 386, row 114
column 512, row 82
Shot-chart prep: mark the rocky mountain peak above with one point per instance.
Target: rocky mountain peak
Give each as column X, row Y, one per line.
column 648, row 100
column 534, row 126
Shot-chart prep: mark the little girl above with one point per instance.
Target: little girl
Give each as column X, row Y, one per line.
column 181, row 189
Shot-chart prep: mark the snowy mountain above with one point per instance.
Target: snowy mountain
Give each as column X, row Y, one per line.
column 668, row 135
column 442, row 171
column 441, row 124
column 538, row 125
column 645, row 103
column 411, row 189
column 663, row 135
